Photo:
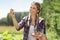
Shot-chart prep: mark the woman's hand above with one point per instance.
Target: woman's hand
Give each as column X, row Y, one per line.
column 15, row 23
column 12, row 12
column 37, row 35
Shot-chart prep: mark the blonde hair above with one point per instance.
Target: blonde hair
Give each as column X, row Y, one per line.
column 38, row 5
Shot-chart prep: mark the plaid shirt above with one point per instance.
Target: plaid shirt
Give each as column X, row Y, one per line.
column 23, row 23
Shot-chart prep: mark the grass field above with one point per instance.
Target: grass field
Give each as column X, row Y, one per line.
column 12, row 30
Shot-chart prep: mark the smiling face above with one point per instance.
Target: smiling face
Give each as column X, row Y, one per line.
column 34, row 9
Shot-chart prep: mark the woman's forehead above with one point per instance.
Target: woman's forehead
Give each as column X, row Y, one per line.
column 33, row 4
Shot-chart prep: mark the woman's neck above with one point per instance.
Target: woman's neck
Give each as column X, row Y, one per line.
column 34, row 19
column 33, row 16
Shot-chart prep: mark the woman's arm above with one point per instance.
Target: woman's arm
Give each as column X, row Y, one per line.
column 16, row 25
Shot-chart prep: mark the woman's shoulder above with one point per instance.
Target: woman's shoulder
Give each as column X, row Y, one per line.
column 41, row 19
column 25, row 17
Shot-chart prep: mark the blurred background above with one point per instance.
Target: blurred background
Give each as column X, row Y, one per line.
column 50, row 11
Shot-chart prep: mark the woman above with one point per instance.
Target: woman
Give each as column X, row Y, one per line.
column 34, row 26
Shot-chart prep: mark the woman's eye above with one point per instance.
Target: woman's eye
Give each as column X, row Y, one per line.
column 30, row 7
column 33, row 8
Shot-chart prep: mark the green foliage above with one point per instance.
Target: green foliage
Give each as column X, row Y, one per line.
column 9, row 19
column 3, row 22
column 7, row 36
column 51, row 12
column 52, row 23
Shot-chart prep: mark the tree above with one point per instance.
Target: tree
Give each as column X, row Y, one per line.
column 3, row 22
column 51, row 12
column 9, row 19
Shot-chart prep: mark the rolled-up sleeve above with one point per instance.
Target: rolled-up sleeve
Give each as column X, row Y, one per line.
column 42, row 26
